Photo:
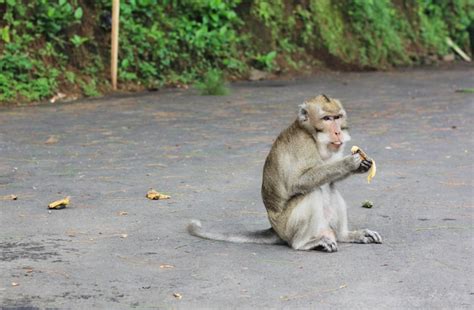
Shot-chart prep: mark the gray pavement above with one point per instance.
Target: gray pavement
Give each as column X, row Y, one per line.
column 208, row 153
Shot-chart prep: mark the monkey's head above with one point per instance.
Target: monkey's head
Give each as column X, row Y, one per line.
column 326, row 120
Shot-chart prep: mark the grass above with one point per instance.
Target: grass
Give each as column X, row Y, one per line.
column 213, row 83
column 465, row 90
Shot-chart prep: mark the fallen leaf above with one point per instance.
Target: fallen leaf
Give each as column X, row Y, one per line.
column 166, row 266
column 123, row 236
column 367, row 204
column 52, row 140
column 59, row 204
column 15, row 284
column 57, row 97
column 9, row 197
column 123, row 213
column 71, row 233
column 177, row 295
column 154, row 195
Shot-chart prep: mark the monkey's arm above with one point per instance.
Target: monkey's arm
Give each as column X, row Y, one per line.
column 325, row 173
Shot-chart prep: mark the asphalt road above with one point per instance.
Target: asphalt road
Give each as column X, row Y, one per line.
column 112, row 248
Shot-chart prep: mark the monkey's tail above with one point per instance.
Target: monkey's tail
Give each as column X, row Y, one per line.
column 267, row 236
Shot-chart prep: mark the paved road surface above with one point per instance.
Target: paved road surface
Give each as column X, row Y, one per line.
column 208, row 153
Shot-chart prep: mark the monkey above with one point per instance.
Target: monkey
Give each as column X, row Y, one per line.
column 304, row 208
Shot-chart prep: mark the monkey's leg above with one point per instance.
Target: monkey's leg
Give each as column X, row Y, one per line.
column 307, row 224
column 342, row 232
column 326, row 243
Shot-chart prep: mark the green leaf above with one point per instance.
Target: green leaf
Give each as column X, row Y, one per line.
column 125, row 63
column 50, row 12
column 6, row 34
column 271, row 55
column 78, row 13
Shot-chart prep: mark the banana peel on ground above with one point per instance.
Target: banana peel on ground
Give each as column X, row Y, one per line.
column 373, row 168
column 9, row 197
column 154, row 195
column 59, row 204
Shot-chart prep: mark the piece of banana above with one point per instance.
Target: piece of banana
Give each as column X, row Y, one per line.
column 154, row 195
column 373, row 168
column 59, row 204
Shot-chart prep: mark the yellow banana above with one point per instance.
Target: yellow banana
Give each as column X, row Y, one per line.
column 373, row 168
column 59, row 204
column 154, row 195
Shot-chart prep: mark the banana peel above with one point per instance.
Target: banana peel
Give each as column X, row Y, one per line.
column 373, row 168
column 154, row 195
column 59, row 204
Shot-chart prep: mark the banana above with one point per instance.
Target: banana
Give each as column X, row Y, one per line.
column 59, row 204
column 373, row 168
column 154, row 195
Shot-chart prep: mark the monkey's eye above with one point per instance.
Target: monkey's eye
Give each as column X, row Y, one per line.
column 337, row 117
column 327, row 118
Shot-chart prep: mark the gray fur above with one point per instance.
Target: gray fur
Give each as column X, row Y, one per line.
column 267, row 236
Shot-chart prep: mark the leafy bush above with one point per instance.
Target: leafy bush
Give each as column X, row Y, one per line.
column 212, row 84
column 48, row 46
column 266, row 61
column 160, row 40
column 375, row 23
column 33, row 47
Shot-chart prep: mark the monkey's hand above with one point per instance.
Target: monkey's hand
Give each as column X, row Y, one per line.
column 354, row 161
column 365, row 166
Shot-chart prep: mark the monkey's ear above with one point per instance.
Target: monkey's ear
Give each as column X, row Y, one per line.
column 303, row 113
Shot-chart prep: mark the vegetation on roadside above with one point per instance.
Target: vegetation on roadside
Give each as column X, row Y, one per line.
column 213, row 83
column 63, row 45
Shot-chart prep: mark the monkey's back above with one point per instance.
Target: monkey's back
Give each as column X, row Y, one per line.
column 293, row 152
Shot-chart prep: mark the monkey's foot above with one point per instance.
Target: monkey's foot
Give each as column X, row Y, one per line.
column 321, row 243
column 326, row 244
column 369, row 236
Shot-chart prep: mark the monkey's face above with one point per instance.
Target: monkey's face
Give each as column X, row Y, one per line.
column 326, row 120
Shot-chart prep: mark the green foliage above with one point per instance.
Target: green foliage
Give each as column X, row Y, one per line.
column 78, row 40
column 279, row 28
column 89, row 88
column 47, row 46
column 213, row 83
column 376, row 25
column 435, row 20
column 33, row 47
column 160, row 40
column 433, row 28
column 272, row 15
column 323, row 28
column 266, row 61
column 330, row 25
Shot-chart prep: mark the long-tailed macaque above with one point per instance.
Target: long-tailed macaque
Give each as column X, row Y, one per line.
column 304, row 207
